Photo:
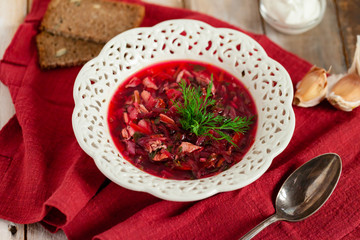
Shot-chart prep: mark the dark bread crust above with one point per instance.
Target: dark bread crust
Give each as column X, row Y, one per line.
column 95, row 20
column 57, row 51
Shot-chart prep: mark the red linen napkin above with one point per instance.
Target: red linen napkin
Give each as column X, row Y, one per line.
column 45, row 176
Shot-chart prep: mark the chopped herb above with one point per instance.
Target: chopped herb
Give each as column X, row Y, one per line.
column 196, row 117
column 170, row 148
column 157, row 121
column 137, row 135
column 198, row 68
column 214, row 170
column 225, row 167
column 153, row 153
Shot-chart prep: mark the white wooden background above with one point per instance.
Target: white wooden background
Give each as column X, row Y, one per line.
column 331, row 43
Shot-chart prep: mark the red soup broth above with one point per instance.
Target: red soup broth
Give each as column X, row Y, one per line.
column 145, row 125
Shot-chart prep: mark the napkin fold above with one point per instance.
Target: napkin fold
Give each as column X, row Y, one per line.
column 45, row 176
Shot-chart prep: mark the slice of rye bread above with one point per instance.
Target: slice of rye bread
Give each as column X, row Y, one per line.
column 95, row 20
column 57, row 51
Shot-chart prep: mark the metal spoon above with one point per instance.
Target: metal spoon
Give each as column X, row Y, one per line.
column 304, row 191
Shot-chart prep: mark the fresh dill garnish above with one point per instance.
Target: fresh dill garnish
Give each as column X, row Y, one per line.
column 196, row 115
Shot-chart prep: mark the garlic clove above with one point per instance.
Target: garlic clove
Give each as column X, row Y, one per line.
column 344, row 91
column 345, row 94
column 311, row 90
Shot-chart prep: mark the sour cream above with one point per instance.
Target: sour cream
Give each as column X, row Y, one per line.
column 293, row 11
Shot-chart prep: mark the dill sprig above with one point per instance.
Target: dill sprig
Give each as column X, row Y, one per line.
column 196, row 115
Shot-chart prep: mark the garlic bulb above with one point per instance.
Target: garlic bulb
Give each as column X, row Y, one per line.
column 311, row 90
column 345, row 93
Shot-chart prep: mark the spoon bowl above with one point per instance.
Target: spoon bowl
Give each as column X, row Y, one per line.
column 304, row 191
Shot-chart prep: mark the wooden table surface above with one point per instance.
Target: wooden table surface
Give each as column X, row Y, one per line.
column 332, row 43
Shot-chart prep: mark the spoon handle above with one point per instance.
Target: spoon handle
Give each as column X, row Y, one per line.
column 260, row 227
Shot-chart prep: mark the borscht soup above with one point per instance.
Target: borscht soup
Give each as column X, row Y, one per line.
column 182, row 120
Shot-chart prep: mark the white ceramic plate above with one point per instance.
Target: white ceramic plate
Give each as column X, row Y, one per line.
column 233, row 51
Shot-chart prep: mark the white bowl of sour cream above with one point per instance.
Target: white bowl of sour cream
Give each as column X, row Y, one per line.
column 293, row 16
